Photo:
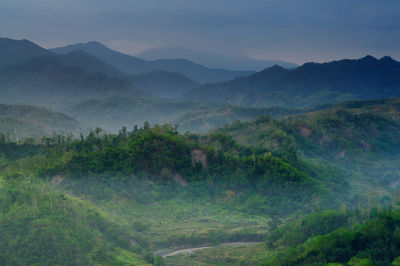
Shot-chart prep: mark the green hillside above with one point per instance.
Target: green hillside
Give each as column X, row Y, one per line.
column 372, row 242
column 18, row 122
column 360, row 138
column 351, row 127
column 41, row 226
column 143, row 190
column 153, row 189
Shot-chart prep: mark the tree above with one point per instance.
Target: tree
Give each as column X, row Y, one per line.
column 146, row 126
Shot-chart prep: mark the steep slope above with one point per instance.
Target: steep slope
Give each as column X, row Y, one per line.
column 42, row 226
column 310, row 84
column 15, row 51
column 22, row 121
column 136, row 66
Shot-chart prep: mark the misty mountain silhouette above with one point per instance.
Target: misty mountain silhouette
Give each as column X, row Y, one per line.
column 136, row 66
column 230, row 62
column 14, row 51
column 309, row 84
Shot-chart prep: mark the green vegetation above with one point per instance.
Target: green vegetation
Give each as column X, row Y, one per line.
column 374, row 243
column 169, row 157
column 316, row 186
column 139, row 191
column 358, row 139
column 41, row 226
column 151, row 188
column 20, row 122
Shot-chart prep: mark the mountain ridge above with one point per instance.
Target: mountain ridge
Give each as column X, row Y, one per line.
column 309, row 84
column 136, row 66
column 212, row 60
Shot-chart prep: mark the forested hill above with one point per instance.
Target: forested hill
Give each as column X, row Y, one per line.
column 309, row 84
column 19, row 122
column 361, row 138
column 159, row 160
column 343, row 130
column 168, row 157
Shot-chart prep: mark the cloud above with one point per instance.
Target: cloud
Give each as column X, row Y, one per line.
column 292, row 30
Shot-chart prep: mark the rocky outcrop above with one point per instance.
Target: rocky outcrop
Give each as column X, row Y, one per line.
column 199, row 156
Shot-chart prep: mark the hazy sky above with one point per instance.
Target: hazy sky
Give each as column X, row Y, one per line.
column 291, row 30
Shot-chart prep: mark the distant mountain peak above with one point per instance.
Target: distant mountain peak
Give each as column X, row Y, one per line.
column 96, row 44
column 369, row 58
column 15, row 51
column 387, row 59
column 274, row 69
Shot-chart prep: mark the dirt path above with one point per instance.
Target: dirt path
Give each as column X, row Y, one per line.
column 170, row 252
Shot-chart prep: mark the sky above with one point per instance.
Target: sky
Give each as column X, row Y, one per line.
column 292, row 30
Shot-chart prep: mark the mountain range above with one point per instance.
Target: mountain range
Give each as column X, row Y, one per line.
column 319, row 183
column 162, row 78
column 231, row 62
column 307, row 85
column 91, row 83
column 136, row 66
column 50, row 78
